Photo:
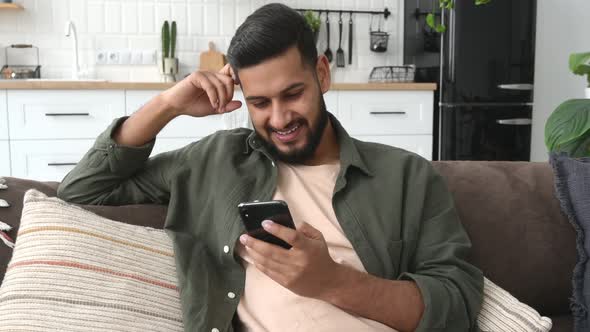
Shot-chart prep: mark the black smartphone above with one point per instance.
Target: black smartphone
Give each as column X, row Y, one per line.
column 254, row 213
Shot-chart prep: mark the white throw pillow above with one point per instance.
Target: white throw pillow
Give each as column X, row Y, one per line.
column 502, row 312
column 72, row 270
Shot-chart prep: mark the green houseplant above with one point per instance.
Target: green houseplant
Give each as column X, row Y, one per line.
column 314, row 23
column 446, row 4
column 169, row 61
column 568, row 128
column 580, row 65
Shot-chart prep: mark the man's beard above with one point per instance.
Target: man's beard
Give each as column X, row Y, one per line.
column 313, row 138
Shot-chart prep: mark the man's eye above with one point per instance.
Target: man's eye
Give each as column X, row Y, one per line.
column 261, row 104
column 294, row 95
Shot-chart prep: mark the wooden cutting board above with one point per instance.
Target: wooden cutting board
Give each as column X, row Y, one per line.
column 211, row 59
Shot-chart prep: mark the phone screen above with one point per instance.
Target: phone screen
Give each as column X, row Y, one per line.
column 254, row 213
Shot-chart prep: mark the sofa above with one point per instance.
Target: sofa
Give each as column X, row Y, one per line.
column 521, row 240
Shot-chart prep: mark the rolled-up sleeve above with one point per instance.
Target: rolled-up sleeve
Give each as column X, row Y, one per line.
column 451, row 287
column 114, row 174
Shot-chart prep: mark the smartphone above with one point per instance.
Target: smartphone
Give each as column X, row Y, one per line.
column 254, row 213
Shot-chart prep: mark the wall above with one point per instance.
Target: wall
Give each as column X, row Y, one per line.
column 135, row 25
column 562, row 28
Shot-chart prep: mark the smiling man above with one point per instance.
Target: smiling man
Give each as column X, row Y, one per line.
column 378, row 245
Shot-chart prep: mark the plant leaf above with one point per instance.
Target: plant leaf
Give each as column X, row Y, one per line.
column 482, row 2
column 430, row 20
column 568, row 125
column 577, row 148
column 440, row 28
column 579, row 63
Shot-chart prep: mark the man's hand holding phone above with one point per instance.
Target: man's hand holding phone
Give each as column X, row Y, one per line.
column 306, row 269
column 204, row 93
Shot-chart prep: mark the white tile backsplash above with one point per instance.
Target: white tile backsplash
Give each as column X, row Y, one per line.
column 136, row 25
column 211, row 19
column 129, row 11
column 146, row 16
column 113, row 17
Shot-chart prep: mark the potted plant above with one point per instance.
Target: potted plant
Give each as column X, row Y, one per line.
column 446, row 4
column 568, row 128
column 169, row 64
column 314, row 23
column 580, row 65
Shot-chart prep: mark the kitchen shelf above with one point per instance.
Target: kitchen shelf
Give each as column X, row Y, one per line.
column 11, row 6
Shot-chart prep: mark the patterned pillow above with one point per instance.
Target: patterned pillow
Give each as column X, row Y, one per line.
column 72, row 270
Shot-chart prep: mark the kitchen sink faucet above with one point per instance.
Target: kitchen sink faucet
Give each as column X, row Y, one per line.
column 71, row 29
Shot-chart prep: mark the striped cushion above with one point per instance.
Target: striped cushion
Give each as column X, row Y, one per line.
column 501, row 311
column 72, row 270
column 75, row 271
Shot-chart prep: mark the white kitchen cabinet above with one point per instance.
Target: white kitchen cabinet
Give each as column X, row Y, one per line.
column 46, row 160
column 3, row 116
column 4, row 158
column 419, row 144
column 331, row 100
column 62, row 114
column 386, row 112
column 186, row 126
column 44, row 133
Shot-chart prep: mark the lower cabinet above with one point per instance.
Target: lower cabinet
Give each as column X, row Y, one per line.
column 48, row 160
column 50, row 131
column 4, row 158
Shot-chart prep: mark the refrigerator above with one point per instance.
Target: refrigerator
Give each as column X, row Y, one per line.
column 486, row 81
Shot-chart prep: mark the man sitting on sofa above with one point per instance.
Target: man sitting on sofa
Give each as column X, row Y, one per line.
column 378, row 245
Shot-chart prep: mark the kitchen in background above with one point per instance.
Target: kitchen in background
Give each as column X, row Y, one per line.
column 121, row 28
column 486, row 75
column 47, row 124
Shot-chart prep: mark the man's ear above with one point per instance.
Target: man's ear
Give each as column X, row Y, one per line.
column 323, row 72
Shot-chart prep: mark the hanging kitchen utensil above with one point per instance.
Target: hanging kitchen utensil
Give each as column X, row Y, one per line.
column 350, row 39
column 328, row 52
column 21, row 71
column 378, row 38
column 340, row 52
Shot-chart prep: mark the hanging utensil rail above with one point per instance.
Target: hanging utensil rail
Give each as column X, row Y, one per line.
column 384, row 12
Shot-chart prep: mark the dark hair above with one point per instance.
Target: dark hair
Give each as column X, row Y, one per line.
column 267, row 33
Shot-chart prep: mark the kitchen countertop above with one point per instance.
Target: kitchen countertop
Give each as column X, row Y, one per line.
column 108, row 85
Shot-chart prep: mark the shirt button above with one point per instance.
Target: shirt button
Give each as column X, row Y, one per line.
column 226, row 249
column 214, row 330
column 231, row 295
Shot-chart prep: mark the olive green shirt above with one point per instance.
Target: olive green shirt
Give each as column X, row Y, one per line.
column 393, row 207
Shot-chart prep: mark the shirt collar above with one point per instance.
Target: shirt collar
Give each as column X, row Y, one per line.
column 349, row 153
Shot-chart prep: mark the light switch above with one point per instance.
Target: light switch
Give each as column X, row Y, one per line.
column 136, row 57
column 125, row 57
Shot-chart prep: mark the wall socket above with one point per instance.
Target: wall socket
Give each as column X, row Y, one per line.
column 126, row 57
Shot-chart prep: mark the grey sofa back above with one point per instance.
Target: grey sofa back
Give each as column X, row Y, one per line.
column 520, row 239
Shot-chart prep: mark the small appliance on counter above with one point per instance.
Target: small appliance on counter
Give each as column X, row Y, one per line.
column 21, row 71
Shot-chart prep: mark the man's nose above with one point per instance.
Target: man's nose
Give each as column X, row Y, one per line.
column 279, row 117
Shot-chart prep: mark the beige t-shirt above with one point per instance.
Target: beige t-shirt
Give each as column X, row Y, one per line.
column 268, row 306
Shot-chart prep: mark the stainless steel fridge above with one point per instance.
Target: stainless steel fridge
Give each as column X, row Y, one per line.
column 486, row 81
